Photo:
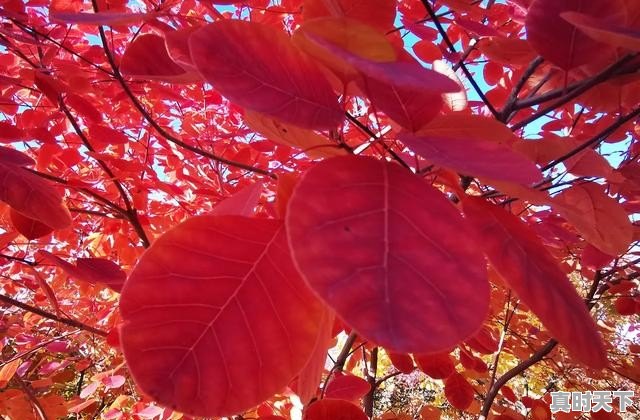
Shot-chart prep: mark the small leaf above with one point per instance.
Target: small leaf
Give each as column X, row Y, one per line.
column 107, row 135
column 259, row 68
column 90, row 270
column 9, row 132
column 402, row 362
column 381, row 247
column 7, row 371
column 241, row 203
column 436, row 365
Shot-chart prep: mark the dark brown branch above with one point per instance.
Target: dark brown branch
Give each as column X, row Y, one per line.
column 368, row 400
column 145, row 114
column 506, row 112
column 67, row 321
column 131, row 212
column 463, row 67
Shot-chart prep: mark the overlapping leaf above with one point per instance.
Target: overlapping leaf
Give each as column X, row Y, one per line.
column 383, row 249
column 257, row 67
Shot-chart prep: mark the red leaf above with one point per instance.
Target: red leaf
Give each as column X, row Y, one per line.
column 329, row 409
column 402, row 362
column 216, row 319
column 91, row 270
column 311, row 375
column 531, row 271
column 604, row 31
column 32, row 196
column 147, row 58
column 458, row 391
column 14, row 157
column 107, row 135
column 437, row 366
column 405, row 74
column 258, row 68
column 483, row 154
column 562, row 43
column 379, row 14
column 29, row 228
column 84, row 107
column 347, row 387
column 599, row 218
column 9, row 132
column 241, row 203
column 381, row 246
column 101, row 18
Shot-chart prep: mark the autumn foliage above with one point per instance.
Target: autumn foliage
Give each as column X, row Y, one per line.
column 288, row 209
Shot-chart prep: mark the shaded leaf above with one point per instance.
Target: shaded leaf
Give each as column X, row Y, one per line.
column 366, row 233
column 29, row 228
column 604, row 31
column 90, row 270
column 32, row 196
column 530, row 270
column 100, row 18
column 347, row 387
column 458, row 391
column 14, row 157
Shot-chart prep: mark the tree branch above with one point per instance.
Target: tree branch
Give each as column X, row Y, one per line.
column 67, row 321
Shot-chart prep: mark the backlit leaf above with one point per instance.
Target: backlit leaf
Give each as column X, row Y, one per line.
column 29, row 228
column 379, row 14
column 437, row 365
column 603, row 31
column 257, row 67
column 381, row 247
column 213, row 302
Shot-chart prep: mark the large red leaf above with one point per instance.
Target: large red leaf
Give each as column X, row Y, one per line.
column 216, row 318
column 474, row 156
column 437, row 366
column 603, row 31
column 329, row 409
column 257, row 67
column 599, row 218
column 531, row 271
column 383, row 249
column 14, row 157
column 458, row 391
column 32, row 196
column 347, row 387
column 147, row 58
column 562, row 43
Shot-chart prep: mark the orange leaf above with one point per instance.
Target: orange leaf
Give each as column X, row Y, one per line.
column 258, row 68
column 212, row 302
column 405, row 235
column 347, row 387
